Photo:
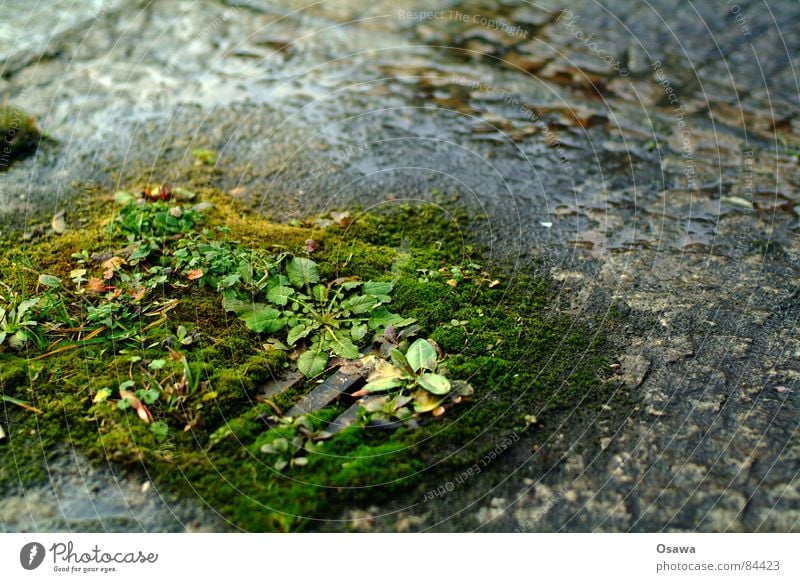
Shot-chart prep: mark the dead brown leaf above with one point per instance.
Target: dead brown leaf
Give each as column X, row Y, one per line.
column 141, row 410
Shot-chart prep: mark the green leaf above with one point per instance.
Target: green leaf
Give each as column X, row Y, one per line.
column 399, row 360
column 299, row 331
column 230, row 303
column 378, row 288
column 231, row 280
column 25, row 306
column 360, row 303
column 2, row 337
column 263, row 319
column 148, row 396
column 302, row 272
column 279, row 294
column 422, row 355
column 357, row 332
column 102, row 395
column 258, row 317
column 342, row 346
column 157, row 364
column 50, row 281
column 319, row 293
column 382, row 318
column 434, row 383
column 312, row 362
column 383, row 384
column 160, row 429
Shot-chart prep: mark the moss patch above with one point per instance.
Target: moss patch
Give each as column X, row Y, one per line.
column 503, row 334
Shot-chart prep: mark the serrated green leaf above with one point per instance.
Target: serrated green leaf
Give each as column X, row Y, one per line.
column 434, row 383
column 299, row 331
column 231, row 280
column 312, row 362
column 377, row 288
column 382, row 318
column 302, row 272
column 422, row 355
column 319, row 293
column 342, row 346
column 280, row 295
column 263, row 319
column 360, row 303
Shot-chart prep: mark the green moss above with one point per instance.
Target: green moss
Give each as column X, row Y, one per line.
column 509, row 341
column 18, row 135
column 13, row 373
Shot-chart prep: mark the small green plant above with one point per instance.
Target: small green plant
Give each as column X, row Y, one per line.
column 291, row 441
column 331, row 319
column 18, row 324
column 416, row 375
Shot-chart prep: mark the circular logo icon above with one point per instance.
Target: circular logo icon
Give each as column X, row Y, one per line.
column 31, row 555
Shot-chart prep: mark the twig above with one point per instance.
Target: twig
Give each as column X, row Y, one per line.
column 20, row 403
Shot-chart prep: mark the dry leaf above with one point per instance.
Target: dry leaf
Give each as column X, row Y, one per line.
column 111, row 266
column 452, row 282
column 138, row 294
column 438, row 411
column 141, row 410
column 194, row 274
column 59, row 223
column 95, row 285
column 162, row 193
